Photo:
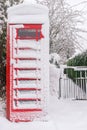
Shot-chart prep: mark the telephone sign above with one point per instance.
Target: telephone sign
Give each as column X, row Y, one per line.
column 31, row 32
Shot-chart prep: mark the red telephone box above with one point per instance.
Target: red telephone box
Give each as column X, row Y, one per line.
column 27, row 67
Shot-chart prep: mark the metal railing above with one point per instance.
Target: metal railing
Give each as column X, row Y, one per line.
column 75, row 88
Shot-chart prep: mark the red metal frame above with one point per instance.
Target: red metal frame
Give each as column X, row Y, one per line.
column 27, row 110
column 27, row 89
column 27, row 79
column 27, row 68
column 10, row 69
column 30, row 58
column 27, row 99
column 8, row 72
column 28, row 48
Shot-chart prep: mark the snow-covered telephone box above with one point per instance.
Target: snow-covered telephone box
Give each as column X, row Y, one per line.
column 27, row 72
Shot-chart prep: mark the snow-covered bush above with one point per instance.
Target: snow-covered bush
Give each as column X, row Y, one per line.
column 54, row 59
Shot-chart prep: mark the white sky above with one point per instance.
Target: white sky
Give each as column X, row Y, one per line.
column 82, row 7
column 72, row 2
column 78, row 4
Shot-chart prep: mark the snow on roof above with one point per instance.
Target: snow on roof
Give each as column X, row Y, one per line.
column 27, row 8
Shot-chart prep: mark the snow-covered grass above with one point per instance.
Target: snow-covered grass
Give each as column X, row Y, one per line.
column 63, row 114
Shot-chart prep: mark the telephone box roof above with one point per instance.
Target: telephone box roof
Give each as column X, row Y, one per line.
column 27, row 9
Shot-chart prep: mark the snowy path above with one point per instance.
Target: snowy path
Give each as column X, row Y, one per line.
column 69, row 114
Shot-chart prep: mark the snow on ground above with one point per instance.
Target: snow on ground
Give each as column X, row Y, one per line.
column 7, row 125
column 54, row 79
column 69, row 114
column 64, row 114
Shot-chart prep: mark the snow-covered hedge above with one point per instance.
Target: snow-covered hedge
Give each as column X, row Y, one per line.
column 79, row 60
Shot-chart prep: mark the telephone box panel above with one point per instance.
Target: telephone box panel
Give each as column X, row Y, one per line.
column 25, row 89
column 27, row 69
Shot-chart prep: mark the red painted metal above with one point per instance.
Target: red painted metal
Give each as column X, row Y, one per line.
column 27, row 68
column 27, row 48
column 27, row 99
column 31, row 58
column 12, row 80
column 8, row 73
column 27, row 110
column 33, row 26
column 27, row 79
column 19, row 120
column 31, row 89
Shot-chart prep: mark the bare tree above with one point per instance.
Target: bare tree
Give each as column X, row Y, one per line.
column 13, row 2
column 63, row 27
